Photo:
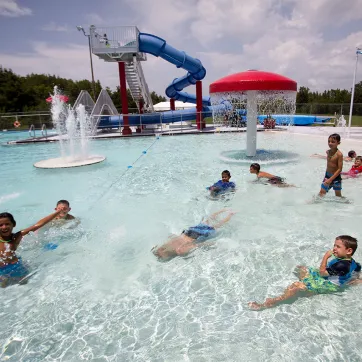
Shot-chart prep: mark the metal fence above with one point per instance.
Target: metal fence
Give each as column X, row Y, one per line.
column 42, row 119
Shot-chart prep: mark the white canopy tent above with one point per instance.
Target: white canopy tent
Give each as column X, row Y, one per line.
column 165, row 106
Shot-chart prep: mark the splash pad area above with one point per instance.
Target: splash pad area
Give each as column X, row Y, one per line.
column 74, row 129
column 102, row 295
column 67, row 162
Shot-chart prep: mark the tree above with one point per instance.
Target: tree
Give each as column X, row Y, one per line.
column 303, row 95
column 29, row 93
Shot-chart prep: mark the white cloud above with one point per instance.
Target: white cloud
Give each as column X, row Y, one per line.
column 52, row 26
column 95, row 19
column 67, row 61
column 10, row 8
column 289, row 37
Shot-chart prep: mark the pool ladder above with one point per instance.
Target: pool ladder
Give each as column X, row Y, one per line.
column 44, row 132
column 32, row 130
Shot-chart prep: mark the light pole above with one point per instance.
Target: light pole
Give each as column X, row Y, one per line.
column 358, row 51
column 80, row 28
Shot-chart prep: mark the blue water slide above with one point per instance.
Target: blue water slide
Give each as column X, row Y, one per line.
column 158, row 47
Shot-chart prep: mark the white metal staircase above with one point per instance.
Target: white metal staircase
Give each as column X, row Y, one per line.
column 121, row 44
column 137, row 85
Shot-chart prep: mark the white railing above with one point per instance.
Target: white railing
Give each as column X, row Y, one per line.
column 104, row 101
column 109, row 39
column 86, row 100
column 144, row 87
column 137, row 84
column 32, row 130
column 44, row 132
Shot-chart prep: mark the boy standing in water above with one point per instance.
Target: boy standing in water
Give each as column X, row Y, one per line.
column 332, row 177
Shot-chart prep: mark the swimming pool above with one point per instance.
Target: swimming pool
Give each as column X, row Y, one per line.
column 102, row 295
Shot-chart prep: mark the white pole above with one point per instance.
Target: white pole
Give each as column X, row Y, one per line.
column 352, row 95
column 251, row 114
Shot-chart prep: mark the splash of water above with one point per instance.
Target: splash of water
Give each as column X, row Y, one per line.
column 73, row 128
column 281, row 103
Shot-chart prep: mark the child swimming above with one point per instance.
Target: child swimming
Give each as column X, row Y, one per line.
column 192, row 237
column 222, row 185
column 12, row 269
column 64, row 207
column 331, row 276
column 351, row 156
column 271, row 179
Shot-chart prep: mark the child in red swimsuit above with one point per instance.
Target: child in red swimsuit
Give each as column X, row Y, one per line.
column 355, row 170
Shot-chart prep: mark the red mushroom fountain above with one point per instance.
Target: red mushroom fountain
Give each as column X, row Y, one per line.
column 260, row 91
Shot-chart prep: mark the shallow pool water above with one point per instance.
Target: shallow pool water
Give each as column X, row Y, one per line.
column 102, row 295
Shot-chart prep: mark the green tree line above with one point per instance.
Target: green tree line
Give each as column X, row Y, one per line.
column 29, row 93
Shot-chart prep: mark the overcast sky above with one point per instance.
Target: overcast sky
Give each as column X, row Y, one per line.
column 310, row 41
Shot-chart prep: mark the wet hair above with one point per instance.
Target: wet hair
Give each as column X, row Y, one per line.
column 335, row 136
column 227, row 172
column 7, row 215
column 351, row 153
column 255, row 166
column 349, row 242
column 64, row 202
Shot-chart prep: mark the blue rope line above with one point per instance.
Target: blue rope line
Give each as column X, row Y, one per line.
column 128, row 168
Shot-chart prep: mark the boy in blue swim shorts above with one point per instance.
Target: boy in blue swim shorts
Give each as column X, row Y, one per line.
column 332, row 178
column 332, row 275
column 192, row 237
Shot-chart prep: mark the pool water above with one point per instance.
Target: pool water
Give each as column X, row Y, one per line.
column 103, row 296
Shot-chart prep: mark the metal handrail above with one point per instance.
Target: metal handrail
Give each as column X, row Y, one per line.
column 44, row 130
column 32, row 129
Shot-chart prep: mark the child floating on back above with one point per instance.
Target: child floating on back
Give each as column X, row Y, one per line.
column 355, row 170
column 271, row 179
column 341, row 270
column 222, row 185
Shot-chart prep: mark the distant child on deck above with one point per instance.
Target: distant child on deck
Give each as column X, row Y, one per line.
column 271, row 179
column 222, row 185
column 340, row 271
column 332, row 177
column 355, row 170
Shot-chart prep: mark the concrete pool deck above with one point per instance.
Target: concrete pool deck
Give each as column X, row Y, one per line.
column 355, row 132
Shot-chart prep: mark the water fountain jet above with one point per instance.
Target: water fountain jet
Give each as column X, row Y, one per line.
column 74, row 130
column 253, row 92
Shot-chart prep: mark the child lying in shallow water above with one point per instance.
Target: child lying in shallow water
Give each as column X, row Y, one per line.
column 192, row 237
column 271, row 179
column 332, row 275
